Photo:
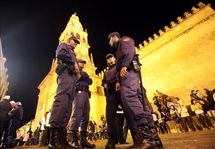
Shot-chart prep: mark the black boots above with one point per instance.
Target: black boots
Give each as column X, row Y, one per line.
column 150, row 138
column 137, row 139
column 75, row 143
column 55, row 139
column 146, row 138
column 64, row 141
column 58, row 139
column 84, row 142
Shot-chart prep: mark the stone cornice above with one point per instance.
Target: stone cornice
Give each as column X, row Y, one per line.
column 184, row 24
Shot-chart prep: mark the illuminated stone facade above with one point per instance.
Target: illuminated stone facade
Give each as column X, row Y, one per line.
column 3, row 74
column 48, row 86
column 177, row 60
column 181, row 57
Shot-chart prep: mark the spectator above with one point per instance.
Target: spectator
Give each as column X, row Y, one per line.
column 45, row 129
column 162, row 125
column 197, row 108
column 207, row 107
column 211, row 102
column 186, row 120
column 36, row 135
column 92, row 129
column 174, row 115
column 102, row 128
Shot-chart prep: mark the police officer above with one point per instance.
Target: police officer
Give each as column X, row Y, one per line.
column 5, row 107
column 80, row 115
column 143, row 131
column 68, row 72
column 16, row 115
column 112, row 99
column 110, row 82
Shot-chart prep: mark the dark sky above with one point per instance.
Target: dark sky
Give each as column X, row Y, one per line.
column 30, row 31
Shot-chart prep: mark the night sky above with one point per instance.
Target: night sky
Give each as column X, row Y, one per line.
column 30, row 31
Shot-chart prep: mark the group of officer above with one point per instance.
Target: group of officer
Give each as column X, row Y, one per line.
column 73, row 85
column 123, row 84
column 11, row 114
column 122, row 87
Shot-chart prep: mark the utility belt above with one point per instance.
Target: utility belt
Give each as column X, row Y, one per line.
column 134, row 65
column 80, row 89
column 61, row 67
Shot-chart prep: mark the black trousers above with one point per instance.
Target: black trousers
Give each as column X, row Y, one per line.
column 121, row 129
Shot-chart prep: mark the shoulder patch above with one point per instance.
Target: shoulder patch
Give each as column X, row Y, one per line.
column 125, row 39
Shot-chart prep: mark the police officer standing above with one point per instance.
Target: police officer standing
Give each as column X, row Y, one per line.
column 112, row 99
column 16, row 116
column 137, row 112
column 80, row 115
column 5, row 107
column 68, row 72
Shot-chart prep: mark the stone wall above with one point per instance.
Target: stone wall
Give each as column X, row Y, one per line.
column 183, row 58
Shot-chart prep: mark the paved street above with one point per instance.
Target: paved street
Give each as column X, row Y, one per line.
column 191, row 140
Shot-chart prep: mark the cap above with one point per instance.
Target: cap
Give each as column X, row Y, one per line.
column 81, row 61
column 6, row 97
column 109, row 56
column 74, row 38
column 113, row 34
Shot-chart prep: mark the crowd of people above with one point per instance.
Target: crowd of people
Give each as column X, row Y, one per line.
column 40, row 136
column 198, row 115
column 11, row 114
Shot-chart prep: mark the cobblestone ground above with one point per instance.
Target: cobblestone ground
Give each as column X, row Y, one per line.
column 190, row 140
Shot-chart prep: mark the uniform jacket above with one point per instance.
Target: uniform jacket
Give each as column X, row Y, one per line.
column 65, row 53
column 5, row 107
column 125, row 52
column 84, row 80
column 110, row 79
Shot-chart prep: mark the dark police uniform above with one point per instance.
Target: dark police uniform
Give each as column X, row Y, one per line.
column 62, row 106
column 16, row 115
column 121, row 126
column 81, row 103
column 112, row 100
column 137, row 111
column 5, row 107
column 80, row 115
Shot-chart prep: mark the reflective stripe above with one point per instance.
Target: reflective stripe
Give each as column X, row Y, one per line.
column 119, row 111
